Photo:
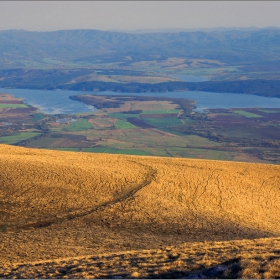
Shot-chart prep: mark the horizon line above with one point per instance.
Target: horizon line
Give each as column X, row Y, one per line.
column 152, row 30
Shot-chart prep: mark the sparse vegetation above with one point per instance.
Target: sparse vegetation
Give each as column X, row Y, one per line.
column 12, row 139
column 247, row 259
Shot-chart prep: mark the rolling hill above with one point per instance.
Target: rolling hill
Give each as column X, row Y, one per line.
column 79, row 215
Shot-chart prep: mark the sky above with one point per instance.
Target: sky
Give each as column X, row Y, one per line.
column 136, row 15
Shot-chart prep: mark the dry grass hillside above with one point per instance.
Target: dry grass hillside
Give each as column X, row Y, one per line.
column 78, row 215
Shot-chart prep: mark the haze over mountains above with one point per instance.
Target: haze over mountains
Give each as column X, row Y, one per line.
column 230, row 46
column 168, row 30
column 234, row 60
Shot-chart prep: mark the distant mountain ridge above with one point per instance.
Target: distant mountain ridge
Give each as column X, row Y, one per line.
column 174, row 30
column 229, row 46
column 74, row 59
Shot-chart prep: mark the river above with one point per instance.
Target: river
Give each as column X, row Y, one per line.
column 58, row 102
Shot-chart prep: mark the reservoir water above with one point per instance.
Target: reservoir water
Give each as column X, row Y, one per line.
column 58, row 102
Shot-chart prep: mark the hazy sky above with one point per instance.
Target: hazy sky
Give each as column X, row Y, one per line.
column 131, row 15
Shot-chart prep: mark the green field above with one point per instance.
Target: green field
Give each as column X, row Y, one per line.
column 122, row 124
column 196, row 140
column 112, row 150
column 163, row 152
column 13, row 106
column 43, row 142
column 65, row 149
column 163, row 122
column 13, row 139
column 79, row 125
column 271, row 111
column 246, row 114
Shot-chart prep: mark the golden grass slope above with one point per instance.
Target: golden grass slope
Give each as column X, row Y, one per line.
column 57, row 205
column 237, row 258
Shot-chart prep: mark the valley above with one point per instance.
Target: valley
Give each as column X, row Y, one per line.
column 140, row 155
column 151, row 126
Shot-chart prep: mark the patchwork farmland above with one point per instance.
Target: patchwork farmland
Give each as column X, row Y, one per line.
column 146, row 126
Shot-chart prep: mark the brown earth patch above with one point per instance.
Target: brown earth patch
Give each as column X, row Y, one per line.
column 28, row 110
column 10, row 102
column 7, row 98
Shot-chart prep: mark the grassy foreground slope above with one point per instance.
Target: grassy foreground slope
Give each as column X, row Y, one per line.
column 63, row 205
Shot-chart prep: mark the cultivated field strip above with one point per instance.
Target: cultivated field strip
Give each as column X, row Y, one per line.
column 64, row 204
